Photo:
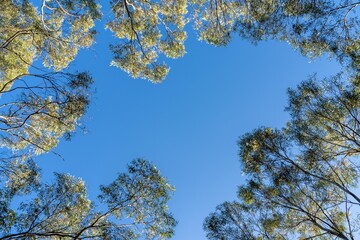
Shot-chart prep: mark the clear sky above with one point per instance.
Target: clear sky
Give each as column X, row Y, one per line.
column 188, row 125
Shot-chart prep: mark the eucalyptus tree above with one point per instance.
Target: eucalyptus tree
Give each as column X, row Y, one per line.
column 313, row 27
column 301, row 181
column 134, row 206
column 147, row 29
column 55, row 30
column 52, row 33
column 41, row 104
column 39, row 39
column 43, row 108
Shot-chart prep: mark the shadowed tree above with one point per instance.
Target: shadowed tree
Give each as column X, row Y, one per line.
column 134, row 206
column 301, row 181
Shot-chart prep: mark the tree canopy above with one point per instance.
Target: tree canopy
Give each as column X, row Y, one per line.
column 40, row 101
column 53, row 33
column 302, row 179
column 133, row 206
column 313, row 27
column 147, row 29
column 55, row 30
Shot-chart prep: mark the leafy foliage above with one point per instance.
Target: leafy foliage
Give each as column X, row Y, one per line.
column 147, row 29
column 301, row 180
column 47, row 107
column 40, row 107
column 135, row 207
column 314, row 27
column 55, row 34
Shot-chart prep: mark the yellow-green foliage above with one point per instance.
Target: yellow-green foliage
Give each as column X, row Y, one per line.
column 148, row 28
column 53, row 33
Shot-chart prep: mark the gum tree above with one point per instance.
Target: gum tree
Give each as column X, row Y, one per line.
column 301, row 181
column 134, row 206
column 313, row 27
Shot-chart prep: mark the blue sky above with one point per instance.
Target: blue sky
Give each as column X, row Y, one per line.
column 188, row 125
